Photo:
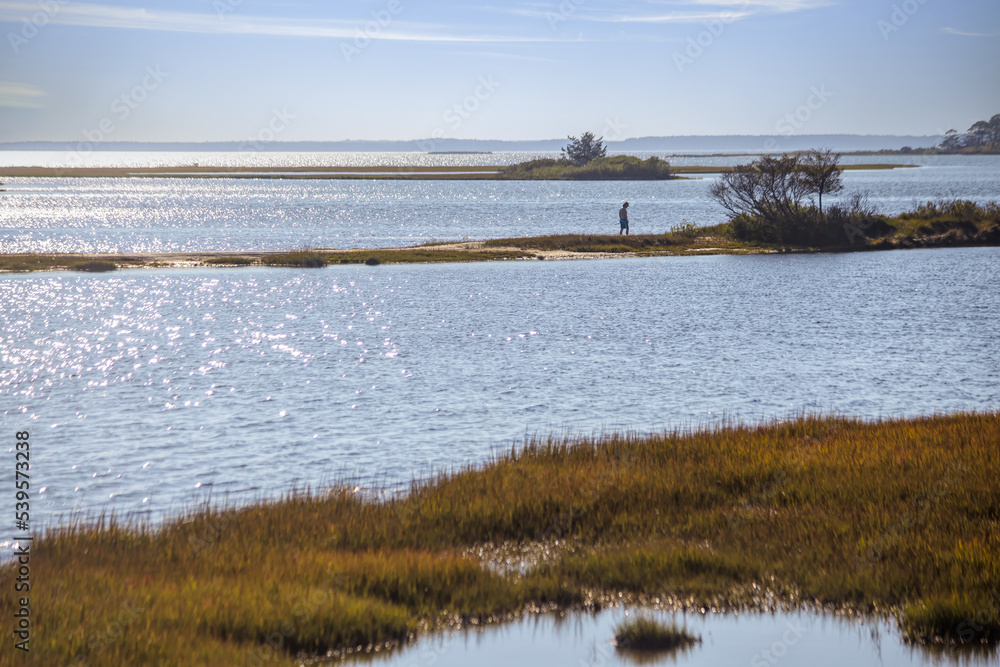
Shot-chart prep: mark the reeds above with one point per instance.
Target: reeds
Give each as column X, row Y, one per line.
column 645, row 634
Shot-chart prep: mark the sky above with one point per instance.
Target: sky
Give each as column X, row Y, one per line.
column 312, row 70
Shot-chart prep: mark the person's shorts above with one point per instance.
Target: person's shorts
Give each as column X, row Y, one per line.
column 624, row 224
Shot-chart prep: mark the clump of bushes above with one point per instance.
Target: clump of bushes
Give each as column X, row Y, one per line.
column 94, row 266
column 960, row 210
column 687, row 231
column 961, row 218
column 953, row 223
column 645, row 634
column 770, row 200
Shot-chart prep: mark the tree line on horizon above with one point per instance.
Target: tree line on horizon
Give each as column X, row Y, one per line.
column 982, row 136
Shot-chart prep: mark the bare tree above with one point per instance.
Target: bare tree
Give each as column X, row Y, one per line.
column 769, row 188
column 581, row 151
column 821, row 173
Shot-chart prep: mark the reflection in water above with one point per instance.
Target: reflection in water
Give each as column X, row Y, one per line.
column 752, row 639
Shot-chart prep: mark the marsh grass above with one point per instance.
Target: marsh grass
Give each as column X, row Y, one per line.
column 645, row 634
column 55, row 261
column 305, row 259
column 230, row 261
column 94, row 266
column 670, row 243
column 890, row 515
column 950, row 223
column 427, row 254
column 31, row 262
column 955, row 619
column 617, row 167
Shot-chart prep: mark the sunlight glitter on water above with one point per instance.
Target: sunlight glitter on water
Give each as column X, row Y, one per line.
column 176, row 215
column 249, row 382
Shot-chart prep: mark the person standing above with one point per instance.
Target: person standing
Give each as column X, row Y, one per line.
column 623, row 219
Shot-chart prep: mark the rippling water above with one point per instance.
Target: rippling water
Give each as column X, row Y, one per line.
column 145, row 390
column 161, row 215
column 279, row 159
column 753, row 639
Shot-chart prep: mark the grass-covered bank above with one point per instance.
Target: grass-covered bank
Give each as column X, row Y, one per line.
column 898, row 517
column 308, row 258
column 615, row 168
column 932, row 225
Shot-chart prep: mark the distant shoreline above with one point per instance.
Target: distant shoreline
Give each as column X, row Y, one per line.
column 702, row 143
column 474, row 172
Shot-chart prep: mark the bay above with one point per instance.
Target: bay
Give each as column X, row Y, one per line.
column 149, row 391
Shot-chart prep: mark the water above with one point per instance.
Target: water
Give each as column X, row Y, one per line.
column 757, row 640
column 147, row 390
column 174, row 215
column 277, row 159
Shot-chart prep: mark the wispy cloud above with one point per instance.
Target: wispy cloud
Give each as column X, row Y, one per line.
column 675, row 17
column 764, row 5
column 687, row 11
column 20, row 95
column 127, row 18
column 494, row 55
column 962, row 33
column 619, row 17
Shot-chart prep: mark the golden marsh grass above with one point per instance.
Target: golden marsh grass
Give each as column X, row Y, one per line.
column 893, row 517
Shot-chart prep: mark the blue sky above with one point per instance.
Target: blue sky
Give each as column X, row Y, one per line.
column 208, row 70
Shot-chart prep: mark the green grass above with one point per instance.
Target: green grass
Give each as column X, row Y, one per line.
column 32, row 262
column 645, row 634
column 949, row 223
column 306, row 259
column 55, row 261
column 897, row 516
column 671, row 243
column 94, row 266
column 618, row 167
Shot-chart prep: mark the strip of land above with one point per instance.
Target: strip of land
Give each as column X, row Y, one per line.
column 895, row 519
column 382, row 172
column 904, row 232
